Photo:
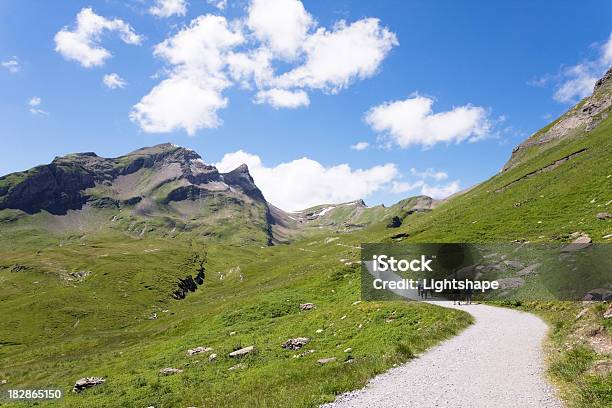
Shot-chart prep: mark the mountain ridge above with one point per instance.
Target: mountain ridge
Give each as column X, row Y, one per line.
column 173, row 183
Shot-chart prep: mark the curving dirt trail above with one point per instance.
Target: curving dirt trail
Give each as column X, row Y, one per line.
column 496, row 362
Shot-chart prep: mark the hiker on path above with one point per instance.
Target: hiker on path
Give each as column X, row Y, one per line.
column 468, row 295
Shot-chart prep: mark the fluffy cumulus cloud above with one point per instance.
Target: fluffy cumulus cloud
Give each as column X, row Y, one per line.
column 282, row 98
column 304, row 182
column 360, row 146
column 575, row 82
column 113, row 81
column 168, row 8
column 192, row 94
column 82, row 42
column 281, row 25
column 276, row 49
column 335, row 58
column 12, row 65
column 412, row 122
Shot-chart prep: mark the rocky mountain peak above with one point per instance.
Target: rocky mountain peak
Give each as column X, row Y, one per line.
column 576, row 122
column 241, row 177
column 604, row 82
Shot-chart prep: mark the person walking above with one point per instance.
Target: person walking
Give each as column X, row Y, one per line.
column 468, row 295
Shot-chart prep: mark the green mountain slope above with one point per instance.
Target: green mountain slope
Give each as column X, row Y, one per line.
column 89, row 290
column 547, row 191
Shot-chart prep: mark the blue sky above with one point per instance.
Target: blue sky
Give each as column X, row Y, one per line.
column 457, row 85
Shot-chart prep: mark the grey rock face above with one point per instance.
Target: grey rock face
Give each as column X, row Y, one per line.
column 584, row 116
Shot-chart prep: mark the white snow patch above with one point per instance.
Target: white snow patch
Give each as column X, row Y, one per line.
column 325, row 211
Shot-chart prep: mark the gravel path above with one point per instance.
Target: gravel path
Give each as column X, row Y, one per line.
column 496, row 362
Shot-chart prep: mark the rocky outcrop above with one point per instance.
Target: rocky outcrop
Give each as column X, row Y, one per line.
column 580, row 120
column 241, row 178
column 394, row 222
column 56, row 188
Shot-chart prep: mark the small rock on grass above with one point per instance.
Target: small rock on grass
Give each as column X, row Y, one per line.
column 212, row 357
column 326, row 360
column 530, row 270
column 243, row 351
column 513, row 264
column 307, row 306
column 237, row 367
column 170, row 371
column 581, row 242
column 198, row 350
column 296, row 343
column 87, row 382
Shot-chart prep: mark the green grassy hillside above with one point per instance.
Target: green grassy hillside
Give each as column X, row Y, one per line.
column 58, row 327
column 90, row 293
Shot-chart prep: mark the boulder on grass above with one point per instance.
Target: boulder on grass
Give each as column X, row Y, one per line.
column 170, row 371
column 581, row 242
column 87, row 382
column 242, row 352
column 296, row 344
column 198, row 350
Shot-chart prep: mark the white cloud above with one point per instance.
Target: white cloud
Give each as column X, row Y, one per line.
column 12, row 65
column 436, row 191
column 440, row 191
column 302, row 183
column 336, row 58
column 213, row 54
column 34, row 104
column 577, row 81
column 114, row 81
column 220, row 4
column 400, row 187
column 168, row 8
column 182, row 101
column 412, row 122
column 581, row 83
column 254, row 65
column 192, row 94
column 282, row 25
column 429, row 173
column 606, row 55
column 360, row 146
column 82, row 43
column 281, row 98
